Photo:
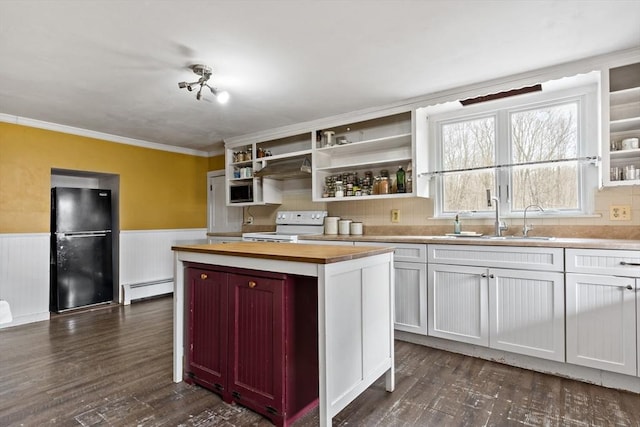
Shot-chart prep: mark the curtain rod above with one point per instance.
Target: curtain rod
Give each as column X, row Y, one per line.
column 591, row 159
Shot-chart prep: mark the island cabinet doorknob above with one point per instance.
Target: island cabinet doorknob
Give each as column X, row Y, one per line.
column 630, row 287
column 203, row 276
column 252, row 284
column 483, row 275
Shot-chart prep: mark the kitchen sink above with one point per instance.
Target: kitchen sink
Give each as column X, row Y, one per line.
column 523, row 238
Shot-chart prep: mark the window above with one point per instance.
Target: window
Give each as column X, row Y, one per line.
column 526, row 150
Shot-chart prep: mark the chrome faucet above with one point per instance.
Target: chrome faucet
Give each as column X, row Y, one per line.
column 500, row 226
column 526, row 228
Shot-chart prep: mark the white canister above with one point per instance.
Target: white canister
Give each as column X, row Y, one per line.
column 356, row 228
column 331, row 224
column 344, row 226
column 629, row 143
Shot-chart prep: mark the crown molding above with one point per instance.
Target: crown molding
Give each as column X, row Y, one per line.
column 25, row 121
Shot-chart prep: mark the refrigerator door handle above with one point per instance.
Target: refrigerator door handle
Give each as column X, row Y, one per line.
column 96, row 234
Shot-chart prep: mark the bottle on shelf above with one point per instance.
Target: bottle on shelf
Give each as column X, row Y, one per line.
column 401, row 181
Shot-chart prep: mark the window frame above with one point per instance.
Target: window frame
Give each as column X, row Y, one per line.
column 588, row 144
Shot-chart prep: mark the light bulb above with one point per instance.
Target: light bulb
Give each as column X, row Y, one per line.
column 223, row 97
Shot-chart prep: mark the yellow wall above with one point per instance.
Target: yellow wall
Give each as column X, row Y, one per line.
column 216, row 163
column 158, row 189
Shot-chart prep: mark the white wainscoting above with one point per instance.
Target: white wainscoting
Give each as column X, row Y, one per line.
column 24, row 276
column 145, row 257
column 146, row 260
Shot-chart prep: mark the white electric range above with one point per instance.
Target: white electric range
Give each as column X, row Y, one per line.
column 290, row 225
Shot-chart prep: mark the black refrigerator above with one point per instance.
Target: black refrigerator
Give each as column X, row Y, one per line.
column 81, row 270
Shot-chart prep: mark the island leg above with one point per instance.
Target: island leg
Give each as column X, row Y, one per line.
column 324, row 417
column 178, row 320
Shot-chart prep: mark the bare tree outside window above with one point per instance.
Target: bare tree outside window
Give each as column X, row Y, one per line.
column 468, row 144
column 545, row 134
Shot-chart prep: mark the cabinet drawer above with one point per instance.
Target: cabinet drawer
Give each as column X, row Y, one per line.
column 516, row 257
column 603, row 261
column 404, row 252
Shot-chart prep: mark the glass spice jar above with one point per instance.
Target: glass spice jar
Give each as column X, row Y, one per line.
column 339, row 189
column 383, row 186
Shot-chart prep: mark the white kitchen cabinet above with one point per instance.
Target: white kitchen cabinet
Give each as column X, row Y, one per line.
column 458, row 303
column 622, row 108
column 474, row 299
column 247, row 159
column 526, row 312
column 371, row 145
column 602, row 329
column 410, row 265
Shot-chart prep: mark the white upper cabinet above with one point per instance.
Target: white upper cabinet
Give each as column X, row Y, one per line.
column 622, row 153
column 361, row 154
column 356, row 151
column 263, row 165
column 357, row 154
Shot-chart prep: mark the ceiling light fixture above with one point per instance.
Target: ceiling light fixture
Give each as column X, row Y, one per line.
column 204, row 72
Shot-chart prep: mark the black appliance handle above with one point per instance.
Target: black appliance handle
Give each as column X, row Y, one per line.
column 102, row 233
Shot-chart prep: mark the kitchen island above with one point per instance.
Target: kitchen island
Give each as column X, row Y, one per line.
column 354, row 309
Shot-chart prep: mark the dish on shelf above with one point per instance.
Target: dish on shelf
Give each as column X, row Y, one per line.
column 629, row 143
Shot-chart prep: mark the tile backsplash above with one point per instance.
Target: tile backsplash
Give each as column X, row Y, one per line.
column 416, row 215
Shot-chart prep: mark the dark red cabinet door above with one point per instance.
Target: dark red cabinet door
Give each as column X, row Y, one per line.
column 256, row 376
column 253, row 338
column 208, row 329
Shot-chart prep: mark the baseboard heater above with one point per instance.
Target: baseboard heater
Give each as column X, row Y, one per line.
column 135, row 291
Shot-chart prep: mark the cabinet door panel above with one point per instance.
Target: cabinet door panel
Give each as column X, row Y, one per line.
column 257, row 340
column 601, row 322
column 208, row 327
column 458, row 303
column 527, row 312
column 411, row 297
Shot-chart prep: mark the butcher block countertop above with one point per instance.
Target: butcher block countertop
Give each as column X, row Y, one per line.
column 315, row 254
column 559, row 242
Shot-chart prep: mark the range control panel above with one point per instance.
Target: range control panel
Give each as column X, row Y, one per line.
column 300, row 217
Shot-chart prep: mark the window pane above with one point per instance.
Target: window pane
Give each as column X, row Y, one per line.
column 467, row 191
column 550, row 186
column 542, row 134
column 468, row 144
column 548, row 133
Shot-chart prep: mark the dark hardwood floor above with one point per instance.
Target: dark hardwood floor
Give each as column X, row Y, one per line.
column 112, row 367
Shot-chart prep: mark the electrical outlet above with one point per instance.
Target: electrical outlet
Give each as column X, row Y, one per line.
column 395, row 215
column 620, row 213
column 249, row 220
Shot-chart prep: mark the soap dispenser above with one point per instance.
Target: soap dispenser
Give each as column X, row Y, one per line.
column 457, row 227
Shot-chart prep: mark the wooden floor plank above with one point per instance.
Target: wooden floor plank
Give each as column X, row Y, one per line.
column 112, row 367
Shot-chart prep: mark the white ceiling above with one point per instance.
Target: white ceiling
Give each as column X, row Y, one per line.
column 114, row 66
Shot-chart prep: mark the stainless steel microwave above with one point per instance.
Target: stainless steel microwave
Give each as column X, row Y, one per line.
column 241, row 193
